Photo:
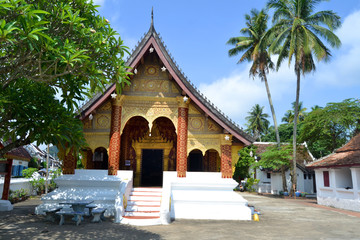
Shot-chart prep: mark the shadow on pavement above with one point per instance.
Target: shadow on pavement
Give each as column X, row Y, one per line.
column 22, row 223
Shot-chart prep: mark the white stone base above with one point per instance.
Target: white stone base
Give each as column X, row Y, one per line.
column 348, row 204
column 205, row 195
column 5, row 205
column 106, row 191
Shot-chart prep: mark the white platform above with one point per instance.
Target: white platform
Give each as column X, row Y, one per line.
column 5, row 205
column 202, row 195
column 106, row 191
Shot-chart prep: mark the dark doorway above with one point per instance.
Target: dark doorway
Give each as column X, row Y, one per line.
column 195, row 161
column 152, row 167
column 100, row 158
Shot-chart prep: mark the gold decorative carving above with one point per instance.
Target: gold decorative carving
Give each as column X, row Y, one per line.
column 118, row 100
column 149, row 108
column 105, row 107
column 182, row 103
column 102, row 121
column 150, row 85
column 203, row 142
column 98, row 139
column 174, row 89
column 87, row 123
column 196, row 124
column 193, row 110
column 225, row 139
column 152, row 70
column 213, row 127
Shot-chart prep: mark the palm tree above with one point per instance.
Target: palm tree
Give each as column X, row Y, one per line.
column 290, row 116
column 254, row 47
column 257, row 121
column 296, row 35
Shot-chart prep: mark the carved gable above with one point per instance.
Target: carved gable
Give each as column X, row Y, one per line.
column 151, row 80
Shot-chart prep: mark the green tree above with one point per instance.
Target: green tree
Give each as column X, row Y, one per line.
column 298, row 34
column 257, row 121
column 277, row 159
column 50, row 47
column 255, row 52
column 326, row 129
column 285, row 132
column 245, row 162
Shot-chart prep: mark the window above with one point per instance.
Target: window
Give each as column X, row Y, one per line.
column 268, row 175
column 326, row 179
column 304, row 175
column 309, row 176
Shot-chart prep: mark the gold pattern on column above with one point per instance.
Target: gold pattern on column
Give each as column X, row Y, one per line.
column 226, row 170
column 69, row 162
column 137, row 177
column 182, row 137
column 114, row 148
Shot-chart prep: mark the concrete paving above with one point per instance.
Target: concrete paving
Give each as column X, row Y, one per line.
column 280, row 219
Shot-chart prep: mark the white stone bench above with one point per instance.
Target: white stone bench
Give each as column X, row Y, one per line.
column 91, row 207
column 77, row 216
column 51, row 213
column 98, row 214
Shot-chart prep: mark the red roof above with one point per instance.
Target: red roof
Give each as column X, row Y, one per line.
column 19, row 153
column 346, row 156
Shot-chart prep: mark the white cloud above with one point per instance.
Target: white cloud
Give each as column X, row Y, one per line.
column 99, row 2
column 237, row 93
column 343, row 70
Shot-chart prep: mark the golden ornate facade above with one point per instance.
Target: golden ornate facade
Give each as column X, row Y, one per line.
column 159, row 110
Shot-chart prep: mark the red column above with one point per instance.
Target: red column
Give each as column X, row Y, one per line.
column 5, row 194
column 114, row 148
column 226, row 159
column 69, row 163
column 181, row 155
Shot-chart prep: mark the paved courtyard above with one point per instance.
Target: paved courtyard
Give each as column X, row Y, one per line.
column 279, row 219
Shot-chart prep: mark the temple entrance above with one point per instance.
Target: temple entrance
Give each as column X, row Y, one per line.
column 195, row 161
column 152, row 167
column 100, row 158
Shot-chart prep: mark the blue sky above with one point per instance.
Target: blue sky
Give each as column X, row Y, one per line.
column 195, row 33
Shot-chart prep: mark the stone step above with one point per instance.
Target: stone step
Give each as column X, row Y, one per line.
column 145, row 198
column 143, row 203
column 145, row 193
column 140, row 189
column 143, row 208
column 141, row 220
column 154, row 214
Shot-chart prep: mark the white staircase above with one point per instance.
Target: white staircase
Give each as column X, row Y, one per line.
column 143, row 207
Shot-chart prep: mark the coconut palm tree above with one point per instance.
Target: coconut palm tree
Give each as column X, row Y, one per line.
column 290, row 116
column 257, row 121
column 298, row 35
column 253, row 51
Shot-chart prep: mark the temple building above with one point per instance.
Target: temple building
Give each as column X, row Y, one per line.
column 160, row 122
column 159, row 132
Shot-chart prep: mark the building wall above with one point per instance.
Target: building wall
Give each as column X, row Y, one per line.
column 18, row 166
column 344, row 189
column 276, row 182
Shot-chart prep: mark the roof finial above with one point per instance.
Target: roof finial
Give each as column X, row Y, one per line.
column 152, row 17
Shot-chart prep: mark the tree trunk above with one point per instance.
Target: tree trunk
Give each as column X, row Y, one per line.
column 272, row 110
column 283, row 176
column 296, row 112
